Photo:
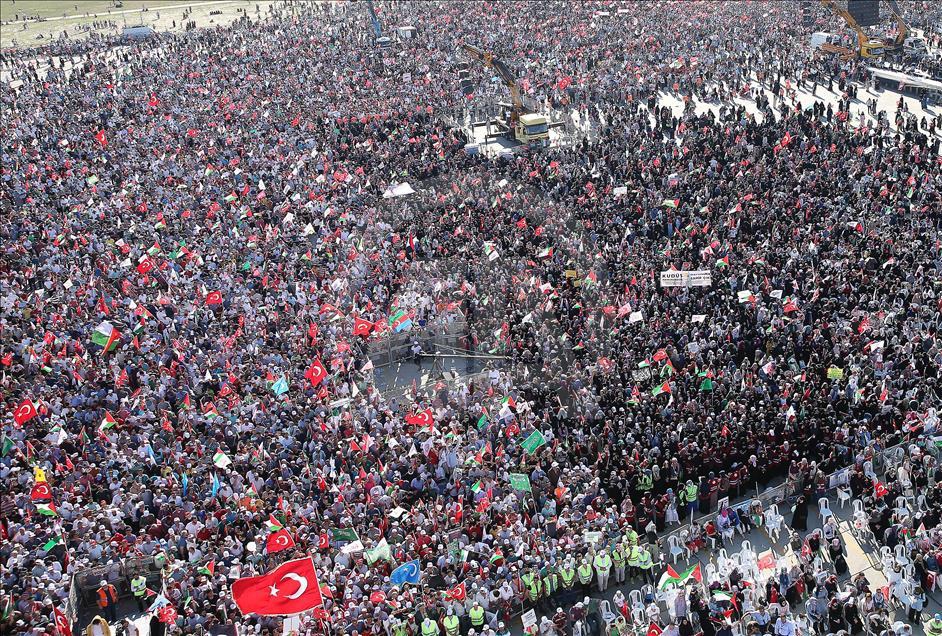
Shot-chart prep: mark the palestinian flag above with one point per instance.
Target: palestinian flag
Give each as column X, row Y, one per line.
column 671, row 577
column 107, row 421
column 221, row 460
column 670, row 203
column 476, row 487
column 661, row 388
column 209, row 569
column 273, row 524
column 48, row 510
column 106, row 336
column 546, row 252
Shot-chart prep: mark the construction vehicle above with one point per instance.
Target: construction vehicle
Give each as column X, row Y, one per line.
column 867, row 47
column 526, row 127
column 380, row 40
column 903, row 42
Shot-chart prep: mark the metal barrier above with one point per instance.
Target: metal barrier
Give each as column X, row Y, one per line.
column 398, row 346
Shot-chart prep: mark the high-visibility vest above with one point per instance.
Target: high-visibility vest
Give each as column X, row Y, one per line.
column 568, row 576
column 634, row 556
column 691, row 491
column 400, row 629
column 645, row 482
column 451, row 625
column 107, row 595
column 550, row 584
column 934, row 627
column 477, row 616
column 585, row 573
column 603, row 561
column 632, row 537
column 618, row 556
column 645, row 559
column 534, row 588
column 429, row 627
column 139, row 585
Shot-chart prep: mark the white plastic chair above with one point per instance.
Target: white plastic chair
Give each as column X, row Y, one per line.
column 710, row 573
column 843, row 495
column 745, row 546
column 824, row 509
column 868, row 470
column 858, row 507
column 902, row 507
column 638, row 617
column 676, row 547
column 899, row 553
column 921, row 503
column 635, row 599
column 605, row 611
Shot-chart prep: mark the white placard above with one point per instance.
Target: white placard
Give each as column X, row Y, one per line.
column 686, row 278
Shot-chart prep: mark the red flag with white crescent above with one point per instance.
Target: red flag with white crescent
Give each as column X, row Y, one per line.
column 291, row 588
column 63, row 626
column 278, row 541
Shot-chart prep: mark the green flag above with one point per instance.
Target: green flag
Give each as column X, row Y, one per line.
column 380, row 552
column 533, row 442
column 476, row 487
column 482, row 422
column 53, row 542
column 6, row 447
column 520, row 481
column 706, row 385
column 343, row 534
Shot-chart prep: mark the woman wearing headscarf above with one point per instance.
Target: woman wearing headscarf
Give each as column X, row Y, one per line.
column 800, row 515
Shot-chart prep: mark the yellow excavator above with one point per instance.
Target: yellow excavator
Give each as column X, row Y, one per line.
column 526, row 127
column 904, row 42
column 867, row 47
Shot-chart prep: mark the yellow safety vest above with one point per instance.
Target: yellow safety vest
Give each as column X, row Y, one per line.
column 451, row 625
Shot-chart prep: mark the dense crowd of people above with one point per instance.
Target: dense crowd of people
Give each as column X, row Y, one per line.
column 198, row 259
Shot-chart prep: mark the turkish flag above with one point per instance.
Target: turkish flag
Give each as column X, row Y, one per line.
column 214, row 298
column 458, row 593
column 40, row 492
column 24, row 412
column 654, row 630
column 422, row 418
column 362, row 327
column 289, row 589
column 100, row 138
column 278, row 541
column 316, row 372
column 144, row 266
column 879, row 490
column 63, row 626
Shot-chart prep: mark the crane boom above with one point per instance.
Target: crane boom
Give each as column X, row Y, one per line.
column 902, row 29
column 866, row 46
column 503, row 71
column 377, row 29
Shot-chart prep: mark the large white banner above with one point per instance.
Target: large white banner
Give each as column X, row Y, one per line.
column 686, row 278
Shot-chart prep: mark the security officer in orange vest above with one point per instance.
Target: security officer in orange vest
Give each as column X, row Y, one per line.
column 108, row 600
